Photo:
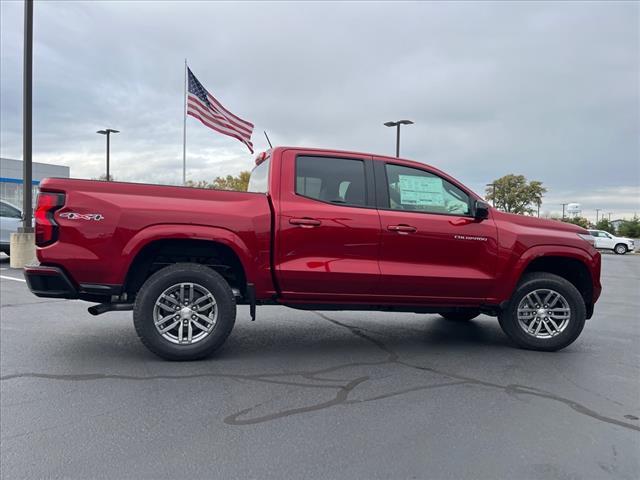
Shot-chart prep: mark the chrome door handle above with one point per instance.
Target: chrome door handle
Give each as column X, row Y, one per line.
column 402, row 229
column 305, row 222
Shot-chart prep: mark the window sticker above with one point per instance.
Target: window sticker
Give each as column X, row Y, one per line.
column 421, row 191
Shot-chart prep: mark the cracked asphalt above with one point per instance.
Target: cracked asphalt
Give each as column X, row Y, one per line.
column 327, row 395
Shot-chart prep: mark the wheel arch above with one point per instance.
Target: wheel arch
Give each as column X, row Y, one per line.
column 167, row 244
column 572, row 264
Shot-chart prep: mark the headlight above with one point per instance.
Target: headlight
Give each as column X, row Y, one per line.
column 588, row 238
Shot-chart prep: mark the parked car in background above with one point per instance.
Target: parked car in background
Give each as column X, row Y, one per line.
column 10, row 217
column 607, row 241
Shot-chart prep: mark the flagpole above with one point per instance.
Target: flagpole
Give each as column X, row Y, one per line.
column 184, row 128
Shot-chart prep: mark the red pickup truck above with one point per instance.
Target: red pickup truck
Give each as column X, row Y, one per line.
column 318, row 229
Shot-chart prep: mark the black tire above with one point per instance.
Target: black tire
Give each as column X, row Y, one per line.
column 620, row 249
column 539, row 280
column 158, row 283
column 461, row 315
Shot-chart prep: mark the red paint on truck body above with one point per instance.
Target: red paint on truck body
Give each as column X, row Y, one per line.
column 298, row 250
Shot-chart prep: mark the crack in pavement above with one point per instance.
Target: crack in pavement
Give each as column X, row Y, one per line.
column 343, row 390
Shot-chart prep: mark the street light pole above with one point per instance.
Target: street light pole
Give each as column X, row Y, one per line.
column 108, row 133
column 597, row 212
column 27, row 172
column 493, row 193
column 397, row 125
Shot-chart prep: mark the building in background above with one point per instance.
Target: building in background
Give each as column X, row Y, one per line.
column 11, row 183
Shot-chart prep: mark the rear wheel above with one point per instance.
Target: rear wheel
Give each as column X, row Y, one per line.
column 620, row 249
column 460, row 316
column 184, row 312
column 546, row 313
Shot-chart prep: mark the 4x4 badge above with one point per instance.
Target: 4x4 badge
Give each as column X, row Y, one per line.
column 82, row 216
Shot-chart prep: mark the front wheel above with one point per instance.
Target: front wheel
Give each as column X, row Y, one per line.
column 545, row 313
column 184, row 312
column 620, row 249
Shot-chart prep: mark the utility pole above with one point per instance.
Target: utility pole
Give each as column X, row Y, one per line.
column 563, row 205
column 597, row 212
column 609, row 216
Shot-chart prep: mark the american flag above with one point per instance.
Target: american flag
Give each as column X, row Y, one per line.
column 202, row 105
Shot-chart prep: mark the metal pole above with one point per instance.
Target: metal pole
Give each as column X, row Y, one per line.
column 184, row 128
column 563, row 205
column 108, row 174
column 27, row 202
column 597, row 211
column 398, row 141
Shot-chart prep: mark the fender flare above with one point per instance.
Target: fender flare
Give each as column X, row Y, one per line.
column 513, row 273
column 174, row 231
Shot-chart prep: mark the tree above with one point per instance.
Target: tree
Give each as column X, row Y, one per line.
column 512, row 193
column 239, row 183
column 103, row 178
column 580, row 221
column 605, row 224
column 630, row 228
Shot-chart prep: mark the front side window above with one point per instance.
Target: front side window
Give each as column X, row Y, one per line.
column 420, row 191
column 259, row 179
column 333, row 180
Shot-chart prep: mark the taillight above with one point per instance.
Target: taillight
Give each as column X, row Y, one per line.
column 46, row 227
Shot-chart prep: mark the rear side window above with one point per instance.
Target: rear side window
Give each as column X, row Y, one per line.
column 7, row 210
column 333, row 180
column 417, row 190
column 259, row 179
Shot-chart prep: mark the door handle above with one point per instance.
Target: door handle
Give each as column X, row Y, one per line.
column 402, row 229
column 305, row 222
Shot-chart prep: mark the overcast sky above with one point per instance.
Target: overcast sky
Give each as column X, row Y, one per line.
column 548, row 90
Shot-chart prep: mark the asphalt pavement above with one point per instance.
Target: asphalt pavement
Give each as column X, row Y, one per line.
column 326, row 395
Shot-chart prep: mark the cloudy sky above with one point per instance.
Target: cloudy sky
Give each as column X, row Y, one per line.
column 548, row 90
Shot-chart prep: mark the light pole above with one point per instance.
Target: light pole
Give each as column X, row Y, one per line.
column 397, row 125
column 493, row 193
column 563, row 205
column 597, row 212
column 609, row 214
column 27, row 172
column 108, row 133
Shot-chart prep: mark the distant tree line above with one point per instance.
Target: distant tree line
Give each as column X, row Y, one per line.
column 514, row 194
column 239, row 183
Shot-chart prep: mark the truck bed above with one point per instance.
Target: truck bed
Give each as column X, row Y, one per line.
column 111, row 222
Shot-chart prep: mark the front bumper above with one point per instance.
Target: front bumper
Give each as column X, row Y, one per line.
column 49, row 282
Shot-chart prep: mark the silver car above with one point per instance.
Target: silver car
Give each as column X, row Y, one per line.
column 10, row 218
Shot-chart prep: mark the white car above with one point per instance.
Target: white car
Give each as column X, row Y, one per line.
column 607, row 241
column 10, row 218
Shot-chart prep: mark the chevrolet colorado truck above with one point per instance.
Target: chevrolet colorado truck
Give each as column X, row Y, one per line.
column 318, row 229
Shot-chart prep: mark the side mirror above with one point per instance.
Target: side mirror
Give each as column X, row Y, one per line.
column 480, row 210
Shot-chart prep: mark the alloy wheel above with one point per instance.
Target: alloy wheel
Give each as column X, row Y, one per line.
column 543, row 313
column 185, row 313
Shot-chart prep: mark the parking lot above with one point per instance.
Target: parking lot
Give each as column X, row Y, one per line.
column 319, row 395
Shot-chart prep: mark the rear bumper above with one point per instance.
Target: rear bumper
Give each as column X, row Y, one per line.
column 53, row 282
column 49, row 282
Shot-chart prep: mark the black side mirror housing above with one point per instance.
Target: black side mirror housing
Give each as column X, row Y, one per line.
column 480, row 210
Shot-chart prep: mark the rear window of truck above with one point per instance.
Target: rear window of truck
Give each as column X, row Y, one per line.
column 259, row 179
